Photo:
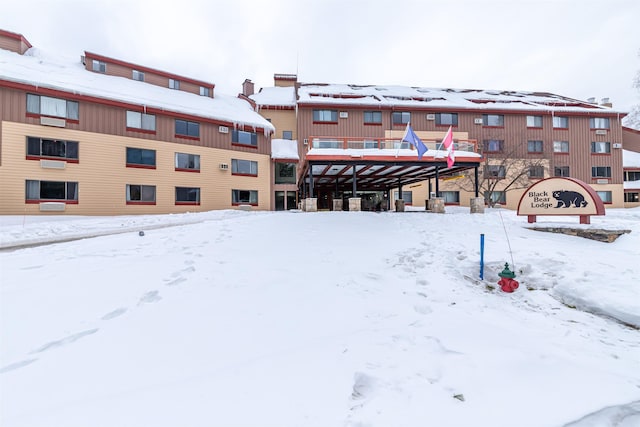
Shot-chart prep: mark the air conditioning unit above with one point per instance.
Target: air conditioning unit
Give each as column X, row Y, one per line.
column 223, row 129
column 344, row 114
column 52, row 164
column 602, row 181
column 431, row 116
column 224, row 166
column 478, row 121
column 601, row 132
column 617, row 145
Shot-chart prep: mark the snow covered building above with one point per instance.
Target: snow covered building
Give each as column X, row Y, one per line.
column 350, row 134
column 101, row 136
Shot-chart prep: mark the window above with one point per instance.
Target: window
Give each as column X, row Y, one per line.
column 496, row 120
column 536, row 172
column 605, row 196
column 494, row 171
column 561, row 171
column 137, row 120
column 560, row 122
column 188, row 162
column 601, row 171
column 327, row 116
column 244, row 167
column 139, row 157
column 493, row 145
column 54, row 107
column 99, row 66
column 495, row 197
column 632, row 176
column 137, row 75
column 244, row 138
column 407, row 196
column 285, row 173
column 141, row 194
column 601, row 147
column 534, row 121
column 289, row 197
column 560, row 146
column 58, row 149
column 244, row 197
column 373, row 117
column 599, row 123
column 37, row 191
column 451, row 197
column 287, row 134
column 204, row 91
column 187, row 196
column 188, row 129
column 400, row 117
column 447, row 119
column 534, row 146
column 632, row 197
column 174, row 84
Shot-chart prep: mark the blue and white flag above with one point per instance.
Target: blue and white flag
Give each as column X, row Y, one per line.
column 411, row 137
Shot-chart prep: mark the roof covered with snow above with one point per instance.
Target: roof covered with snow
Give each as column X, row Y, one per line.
column 420, row 97
column 630, row 159
column 284, row 149
column 38, row 68
column 276, row 96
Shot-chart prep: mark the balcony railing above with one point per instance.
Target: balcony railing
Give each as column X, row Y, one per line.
column 339, row 143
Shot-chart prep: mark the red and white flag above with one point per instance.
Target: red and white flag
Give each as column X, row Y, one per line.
column 447, row 142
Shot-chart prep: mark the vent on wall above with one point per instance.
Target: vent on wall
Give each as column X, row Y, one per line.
column 431, row 116
column 224, row 166
column 617, row 145
column 305, row 141
column 52, row 206
column 52, row 164
column 51, row 121
column 478, row 121
column 223, row 129
column 344, row 114
column 601, row 132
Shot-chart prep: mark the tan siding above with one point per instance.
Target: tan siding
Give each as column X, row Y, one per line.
column 11, row 44
column 102, row 174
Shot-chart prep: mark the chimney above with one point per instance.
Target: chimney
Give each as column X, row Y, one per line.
column 285, row 80
column 247, row 88
column 605, row 103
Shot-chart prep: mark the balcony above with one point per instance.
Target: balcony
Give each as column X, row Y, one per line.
column 345, row 143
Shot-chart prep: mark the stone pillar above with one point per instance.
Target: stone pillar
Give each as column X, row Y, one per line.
column 355, row 204
column 311, row 204
column 437, row 205
column 477, row 205
column 337, row 204
column 399, row 205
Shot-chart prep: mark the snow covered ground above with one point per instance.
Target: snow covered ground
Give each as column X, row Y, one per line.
column 234, row 318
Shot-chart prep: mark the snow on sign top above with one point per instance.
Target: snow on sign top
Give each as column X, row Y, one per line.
column 38, row 68
column 444, row 98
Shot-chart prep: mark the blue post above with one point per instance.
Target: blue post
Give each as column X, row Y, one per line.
column 482, row 257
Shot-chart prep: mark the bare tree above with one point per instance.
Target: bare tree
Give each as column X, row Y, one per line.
column 633, row 118
column 504, row 170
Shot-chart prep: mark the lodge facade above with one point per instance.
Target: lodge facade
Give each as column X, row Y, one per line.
column 104, row 136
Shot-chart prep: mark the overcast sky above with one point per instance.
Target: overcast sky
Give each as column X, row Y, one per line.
column 576, row 48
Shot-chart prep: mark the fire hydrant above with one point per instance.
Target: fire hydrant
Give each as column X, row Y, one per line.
column 507, row 284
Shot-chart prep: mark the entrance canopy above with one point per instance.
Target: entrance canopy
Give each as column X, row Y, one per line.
column 334, row 164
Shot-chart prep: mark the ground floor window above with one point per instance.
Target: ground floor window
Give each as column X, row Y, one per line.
column 451, row 197
column 187, row 196
column 632, row 197
column 605, row 196
column 249, row 197
column 407, row 196
column 495, row 197
column 37, row 191
column 286, row 200
column 141, row 194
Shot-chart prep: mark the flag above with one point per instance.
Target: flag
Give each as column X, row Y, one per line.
column 447, row 142
column 411, row 137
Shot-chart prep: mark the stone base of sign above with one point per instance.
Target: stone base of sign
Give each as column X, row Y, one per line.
column 601, row 235
column 310, row 204
column 477, row 205
column 337, row 204
column 355, row 204
column 437, row 205
column 400, row 205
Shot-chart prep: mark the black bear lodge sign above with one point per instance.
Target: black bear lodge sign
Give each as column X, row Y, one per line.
column 560, row 196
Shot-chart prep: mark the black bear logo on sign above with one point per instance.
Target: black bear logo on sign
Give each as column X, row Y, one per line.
column 567, row 198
